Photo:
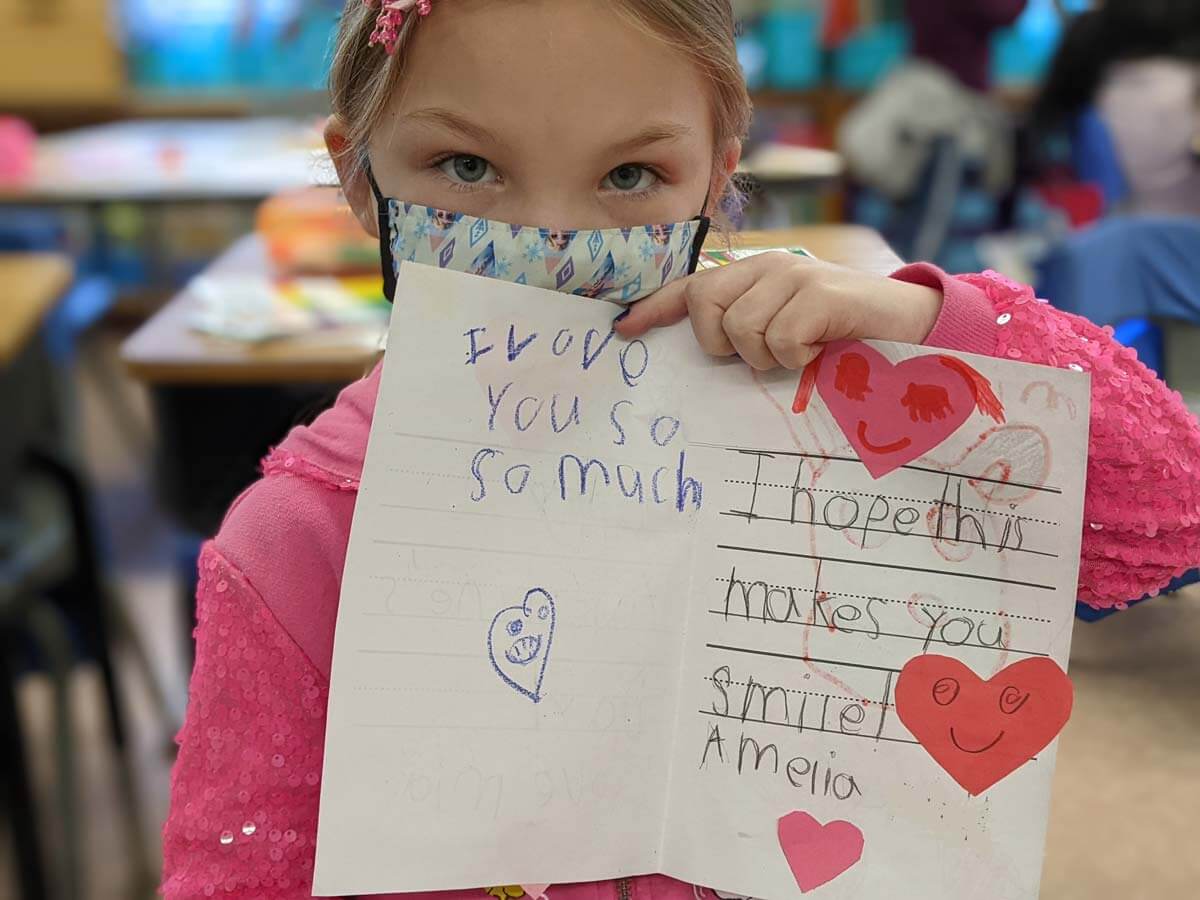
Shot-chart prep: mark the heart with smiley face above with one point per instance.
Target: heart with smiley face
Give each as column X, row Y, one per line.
column 982, row 731
column 893, row 413
column 519, row 643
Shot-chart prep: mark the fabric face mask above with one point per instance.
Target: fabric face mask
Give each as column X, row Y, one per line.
column 616, row 264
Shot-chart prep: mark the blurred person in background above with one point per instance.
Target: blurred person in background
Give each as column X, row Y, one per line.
column 958, row 36
column 1123, row 97
column 929, row 135
column 1112, row 142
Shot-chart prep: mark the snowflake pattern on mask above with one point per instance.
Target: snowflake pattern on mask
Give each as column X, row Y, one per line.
column 617, row 264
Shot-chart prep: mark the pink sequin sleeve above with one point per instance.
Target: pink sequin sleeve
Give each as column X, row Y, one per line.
column 1142, row 504
column 245, row 787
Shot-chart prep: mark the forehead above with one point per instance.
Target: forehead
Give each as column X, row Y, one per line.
column 547, row 70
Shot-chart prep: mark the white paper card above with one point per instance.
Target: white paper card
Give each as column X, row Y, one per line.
column 613, row 608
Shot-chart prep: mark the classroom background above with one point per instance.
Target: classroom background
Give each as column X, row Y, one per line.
column 180, row 284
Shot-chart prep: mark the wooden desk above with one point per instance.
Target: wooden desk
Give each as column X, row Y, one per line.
column 166, row 351
column 853, row 246
column 30, row 284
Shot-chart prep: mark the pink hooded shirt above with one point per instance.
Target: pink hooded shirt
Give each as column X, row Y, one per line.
column 246, row 786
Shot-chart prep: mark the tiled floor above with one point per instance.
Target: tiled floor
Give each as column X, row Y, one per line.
column 1127, row 785
column 1126, row 794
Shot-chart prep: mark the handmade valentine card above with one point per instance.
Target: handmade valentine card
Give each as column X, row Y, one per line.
column 613, row 608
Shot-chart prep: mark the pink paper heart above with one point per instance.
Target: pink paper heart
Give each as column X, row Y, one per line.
column 893, row 413
column 535, row 891
column 818, row 853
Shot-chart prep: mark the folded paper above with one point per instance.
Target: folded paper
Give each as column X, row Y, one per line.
column 614, row 608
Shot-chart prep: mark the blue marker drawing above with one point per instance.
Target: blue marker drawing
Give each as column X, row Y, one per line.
column 519, row 643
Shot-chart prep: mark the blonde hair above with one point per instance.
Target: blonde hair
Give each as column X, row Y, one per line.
column 363, row 79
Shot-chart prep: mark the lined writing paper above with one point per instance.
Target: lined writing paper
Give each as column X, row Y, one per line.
column 814, row 583
column 613, row 608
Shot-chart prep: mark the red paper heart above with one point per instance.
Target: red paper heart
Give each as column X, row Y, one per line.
column 893, row 413
column 818, row 853
column 982, row 731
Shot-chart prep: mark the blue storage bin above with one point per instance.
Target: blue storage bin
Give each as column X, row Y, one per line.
column 196, row 57
column 1021, row 54
column 193, row 46
column 869, row 55
column 752, row 56
column 302, row 63
column 959, row 255
column 792, row 39
column 871, row 209
column 975, row 209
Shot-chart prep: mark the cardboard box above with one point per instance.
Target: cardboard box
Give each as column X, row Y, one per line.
column 59, row 53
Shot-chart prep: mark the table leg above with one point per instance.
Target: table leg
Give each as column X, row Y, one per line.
column 15, row 780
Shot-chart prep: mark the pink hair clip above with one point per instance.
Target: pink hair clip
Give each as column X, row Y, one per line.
column 391, row 17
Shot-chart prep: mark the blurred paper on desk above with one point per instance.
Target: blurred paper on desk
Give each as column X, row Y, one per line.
column 253, row 309
column 713, row 259
column 175, row 159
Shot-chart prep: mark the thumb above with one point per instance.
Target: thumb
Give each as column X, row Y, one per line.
column 666, row 306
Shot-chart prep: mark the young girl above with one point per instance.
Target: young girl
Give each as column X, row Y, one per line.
column 563, row 114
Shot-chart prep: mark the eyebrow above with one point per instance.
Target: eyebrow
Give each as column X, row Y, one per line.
column 658, row 133
column 436, row 115
column 653, row 134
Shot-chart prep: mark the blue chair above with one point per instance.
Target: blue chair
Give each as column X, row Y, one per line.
column 1091, row 614
column 1146, row 338
column 1128, row 269
column 56, row 611
column 56, row 608
column 87, row 300
column 1129, row 272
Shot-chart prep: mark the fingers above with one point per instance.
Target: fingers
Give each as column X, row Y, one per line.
column 794, row 335
column 666, row 306
column 744, row 325
column 671, row 303
column 711, row 299
column 770, row 310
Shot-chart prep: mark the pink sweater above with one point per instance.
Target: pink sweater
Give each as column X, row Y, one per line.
column 245, row 788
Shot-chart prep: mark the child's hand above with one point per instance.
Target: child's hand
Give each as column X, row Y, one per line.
column 777, row 309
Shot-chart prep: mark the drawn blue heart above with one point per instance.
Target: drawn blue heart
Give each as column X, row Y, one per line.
column 519, row 643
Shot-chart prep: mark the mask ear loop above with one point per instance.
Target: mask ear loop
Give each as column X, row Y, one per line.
column 703, row 225
column 384, row 225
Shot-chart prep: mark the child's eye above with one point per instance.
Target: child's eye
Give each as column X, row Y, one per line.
column 466, row 169
column 630, row 178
